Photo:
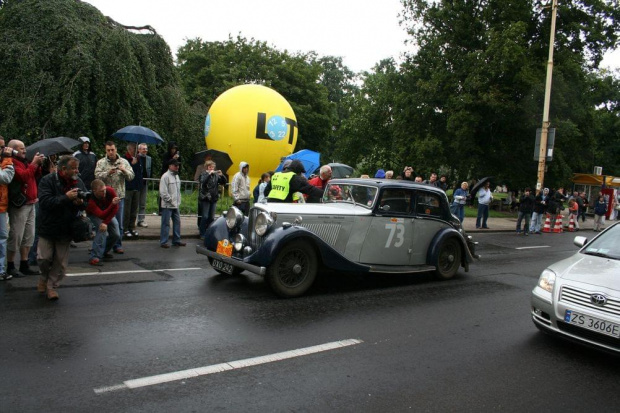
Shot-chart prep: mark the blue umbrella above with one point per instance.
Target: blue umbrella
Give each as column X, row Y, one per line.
column 138, row 134
column 308, row 158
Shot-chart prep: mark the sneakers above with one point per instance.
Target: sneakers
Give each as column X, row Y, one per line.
column 143, row 224
column 42, row 286
column 119, row 251
column 13, row 272
column 5, row 277
column 95, row 261
column 52, row 295
column 29, row 271
column 180, row 244
column 165, row 246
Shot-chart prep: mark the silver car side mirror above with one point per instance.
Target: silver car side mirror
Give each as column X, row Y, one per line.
column 580, row 241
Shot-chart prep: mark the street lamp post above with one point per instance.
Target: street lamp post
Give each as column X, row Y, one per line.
column 545, row 123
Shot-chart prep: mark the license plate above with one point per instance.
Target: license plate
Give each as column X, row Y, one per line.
column 591, row 323
column 222, row 266
column 225, row 248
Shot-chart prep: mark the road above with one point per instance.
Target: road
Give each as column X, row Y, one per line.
column 369, row 343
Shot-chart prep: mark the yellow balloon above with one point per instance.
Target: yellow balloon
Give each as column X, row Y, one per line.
column 253, row 124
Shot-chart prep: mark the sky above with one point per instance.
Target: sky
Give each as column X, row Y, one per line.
column 362, row 32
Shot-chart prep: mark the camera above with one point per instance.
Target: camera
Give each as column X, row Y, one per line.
column 13, row 152
column 85, row 195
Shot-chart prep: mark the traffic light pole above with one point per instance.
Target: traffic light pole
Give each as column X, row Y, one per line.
column 545, row 124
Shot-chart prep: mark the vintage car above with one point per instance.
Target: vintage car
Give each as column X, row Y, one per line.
column 362, row 225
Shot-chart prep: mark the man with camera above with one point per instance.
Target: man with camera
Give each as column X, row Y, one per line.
column 6, row 176
column 101, row 209
column 23, row 195
column 61, row 199
column 114, row 171
column 209, row 179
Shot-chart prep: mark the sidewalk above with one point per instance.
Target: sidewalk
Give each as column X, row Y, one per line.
column 189, row 227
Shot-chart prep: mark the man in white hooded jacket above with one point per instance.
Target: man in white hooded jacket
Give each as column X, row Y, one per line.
column 240, row 188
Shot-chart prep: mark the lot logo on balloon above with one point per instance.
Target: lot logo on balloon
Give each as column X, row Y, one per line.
column 275, row 128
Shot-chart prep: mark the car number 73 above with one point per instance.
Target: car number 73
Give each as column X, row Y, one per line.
column 397, row 234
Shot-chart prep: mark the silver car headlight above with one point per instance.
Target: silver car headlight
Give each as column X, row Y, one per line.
column 547, row 280
column 263, row 223
column 234, row 217
column 240, row 242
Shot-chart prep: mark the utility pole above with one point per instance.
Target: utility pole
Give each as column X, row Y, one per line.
column 545, row 123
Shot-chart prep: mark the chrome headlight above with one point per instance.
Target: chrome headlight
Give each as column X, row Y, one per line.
column 547, row 280
column 263, row 223
column 240, row 242
column 234, row 217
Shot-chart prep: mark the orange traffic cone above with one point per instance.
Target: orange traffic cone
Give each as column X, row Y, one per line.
column 547, row 227
column 571, row 224
column 558, row 227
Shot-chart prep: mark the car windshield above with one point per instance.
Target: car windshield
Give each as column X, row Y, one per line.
column 359, row 194
column 607, row 245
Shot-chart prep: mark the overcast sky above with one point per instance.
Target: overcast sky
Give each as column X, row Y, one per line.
column 362, row 32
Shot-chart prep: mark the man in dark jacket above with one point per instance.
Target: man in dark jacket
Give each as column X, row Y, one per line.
column 286, row 183
column 526, row 207
column 132, row 190
column 88, row 161
column 59, row 205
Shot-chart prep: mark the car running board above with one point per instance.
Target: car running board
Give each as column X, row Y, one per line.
column 401, row 269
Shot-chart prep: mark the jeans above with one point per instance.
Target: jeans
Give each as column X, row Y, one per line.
column 119, row 220
column 459, row 211
column 208, row 213
column 166, row 214
column 536, row 222
column 142, row 203
column 4, row 235
column 132, row 199
column 483, row 214
column 526, row 226
column 104, row 240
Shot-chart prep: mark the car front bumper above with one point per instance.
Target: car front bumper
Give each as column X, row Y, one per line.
column 231, row 260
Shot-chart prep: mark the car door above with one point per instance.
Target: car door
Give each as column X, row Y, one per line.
column 390, row 235
column 429, row 215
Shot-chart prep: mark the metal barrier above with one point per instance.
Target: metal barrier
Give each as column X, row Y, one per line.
column 189, row 198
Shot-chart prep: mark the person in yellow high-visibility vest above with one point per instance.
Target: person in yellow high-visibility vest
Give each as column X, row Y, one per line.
column 286, row 183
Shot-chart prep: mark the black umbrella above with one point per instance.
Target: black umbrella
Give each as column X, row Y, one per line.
column 138, row 134
column 51, row 146
column 340, row 170
column 222, row 159
column 478, row 185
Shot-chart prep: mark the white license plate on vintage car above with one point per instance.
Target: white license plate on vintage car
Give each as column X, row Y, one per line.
column 222, row 266
column 591, row 323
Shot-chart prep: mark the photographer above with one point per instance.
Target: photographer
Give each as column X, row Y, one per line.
column 101, row 209
column 209, row 180
column 59, row 206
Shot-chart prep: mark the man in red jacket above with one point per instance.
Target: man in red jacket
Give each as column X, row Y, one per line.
column 22, row 214
column 101, row 209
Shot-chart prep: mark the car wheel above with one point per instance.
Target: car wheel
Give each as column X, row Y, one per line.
column 236, row 271
column 293, row 271
column 448, row 259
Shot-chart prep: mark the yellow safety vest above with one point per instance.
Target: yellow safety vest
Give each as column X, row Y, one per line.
column 280, row 185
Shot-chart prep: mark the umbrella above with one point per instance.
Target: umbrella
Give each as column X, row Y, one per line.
column 138, row 134
column 340, row 170
column 478, row 185
column 221, row 159
column 51, row 146
column 308, row 158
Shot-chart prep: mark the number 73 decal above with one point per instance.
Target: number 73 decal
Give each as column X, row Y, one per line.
column 397, row 234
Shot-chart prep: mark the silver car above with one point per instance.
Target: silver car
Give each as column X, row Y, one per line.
column 579, row 298
column 362, row 225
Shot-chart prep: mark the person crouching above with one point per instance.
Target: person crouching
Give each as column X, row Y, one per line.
column 101, row 209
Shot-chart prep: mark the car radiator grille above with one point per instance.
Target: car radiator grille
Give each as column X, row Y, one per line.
column 589, row 335
column 327, row 232
column 582, row 298
column 255, row 241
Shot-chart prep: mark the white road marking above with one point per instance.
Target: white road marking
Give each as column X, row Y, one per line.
column 80, row 274
column 535, row 246
column 231, row 365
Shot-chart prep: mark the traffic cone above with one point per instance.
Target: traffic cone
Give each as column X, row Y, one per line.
column 571, row 224
column 547, row 227
column 558, row 227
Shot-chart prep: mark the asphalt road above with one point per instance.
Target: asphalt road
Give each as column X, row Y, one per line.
column 390, row 343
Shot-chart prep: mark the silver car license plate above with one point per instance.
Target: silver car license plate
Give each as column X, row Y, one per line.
column 222, row 266
column 591, row 323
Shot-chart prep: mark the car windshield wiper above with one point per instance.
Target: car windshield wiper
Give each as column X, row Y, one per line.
column 600, row 254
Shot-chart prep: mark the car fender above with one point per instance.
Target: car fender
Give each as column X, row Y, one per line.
column 433, row 249
column 219, row 231
column 328, row 256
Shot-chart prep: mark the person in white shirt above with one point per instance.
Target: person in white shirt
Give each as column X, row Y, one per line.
column 485, row 196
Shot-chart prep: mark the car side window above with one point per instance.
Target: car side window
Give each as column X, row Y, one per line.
column 428, row 204
column 395, row 201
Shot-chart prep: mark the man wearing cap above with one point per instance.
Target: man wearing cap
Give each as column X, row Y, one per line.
column 88, row 161
column 284, row 184
column 170, row 195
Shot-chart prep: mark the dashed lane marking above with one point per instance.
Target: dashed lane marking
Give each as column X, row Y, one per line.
column 533, row 247
column 80, row 274
column 231, row 365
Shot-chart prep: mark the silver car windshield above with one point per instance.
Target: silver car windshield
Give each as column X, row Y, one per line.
column 607, row 245
column 359, row 194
